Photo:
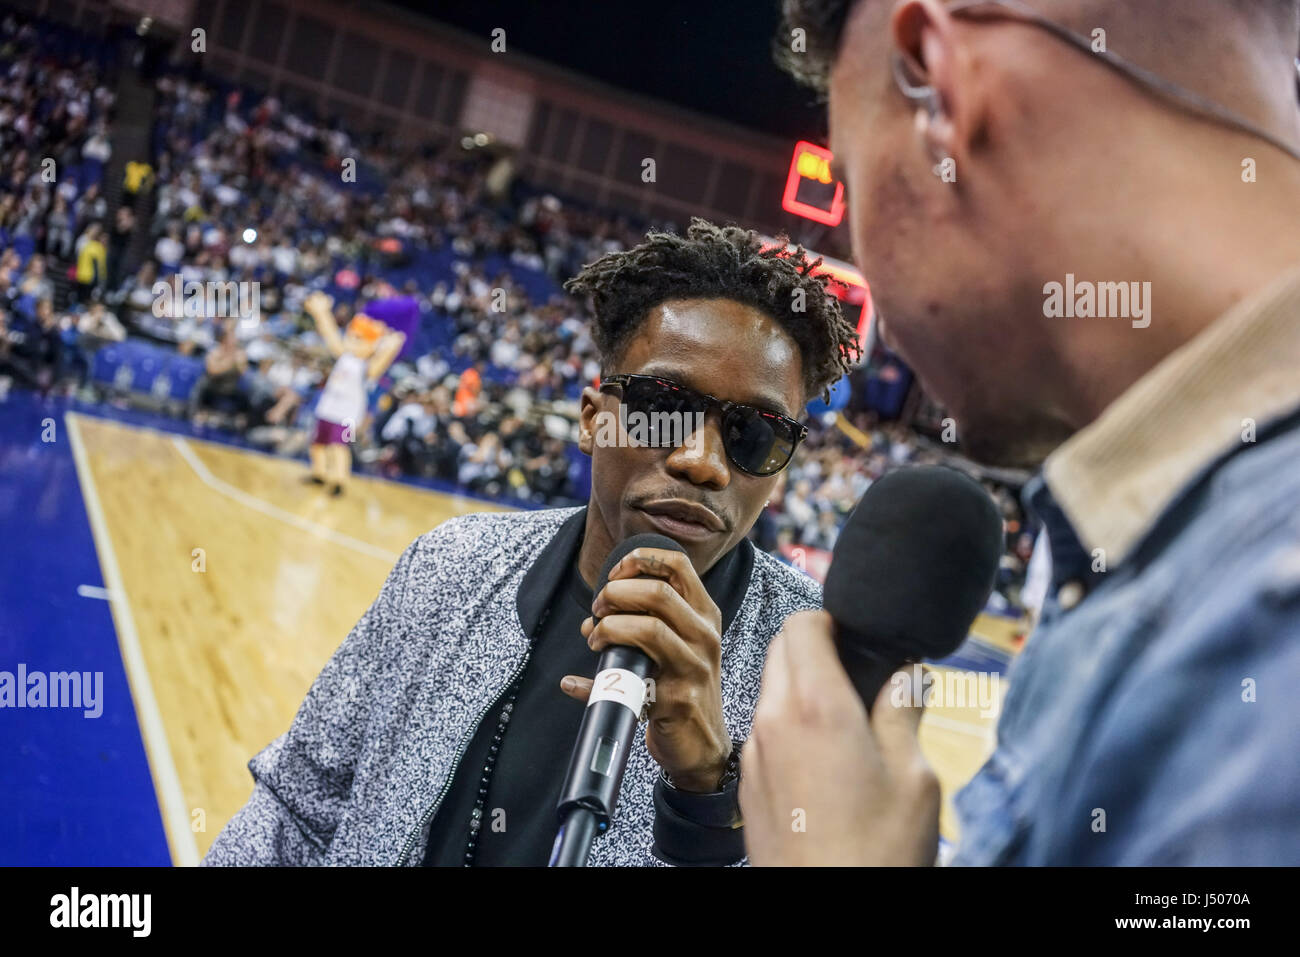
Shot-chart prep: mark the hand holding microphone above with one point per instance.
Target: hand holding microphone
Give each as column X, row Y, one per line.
column 821, row 786
column 654, row 600
column 651, row 611
column 911, row 570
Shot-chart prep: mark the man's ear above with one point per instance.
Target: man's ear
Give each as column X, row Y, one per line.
column 587, row 419
column 927, row 38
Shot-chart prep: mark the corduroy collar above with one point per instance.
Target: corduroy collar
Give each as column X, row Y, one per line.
column 1115, row 478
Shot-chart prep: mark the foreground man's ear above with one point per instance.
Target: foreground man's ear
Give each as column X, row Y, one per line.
column 932, row 68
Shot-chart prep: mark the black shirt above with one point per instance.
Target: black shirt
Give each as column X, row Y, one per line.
column 519, row 821
column 518, row 818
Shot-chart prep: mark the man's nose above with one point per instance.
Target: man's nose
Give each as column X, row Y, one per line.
column 702, row 458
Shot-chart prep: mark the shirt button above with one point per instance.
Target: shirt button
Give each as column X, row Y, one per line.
column 1069, row 595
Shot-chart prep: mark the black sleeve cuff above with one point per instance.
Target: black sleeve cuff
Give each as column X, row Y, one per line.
column 698, row 830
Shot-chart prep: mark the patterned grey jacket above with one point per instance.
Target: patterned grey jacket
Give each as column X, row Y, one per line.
column 359, row 774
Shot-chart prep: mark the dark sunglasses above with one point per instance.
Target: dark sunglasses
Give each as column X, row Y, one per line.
column 756, row 441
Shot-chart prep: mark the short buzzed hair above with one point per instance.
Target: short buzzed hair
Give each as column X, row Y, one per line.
column 823, row 21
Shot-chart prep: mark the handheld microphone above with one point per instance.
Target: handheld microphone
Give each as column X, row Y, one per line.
column 605, row 737
column 914, row 565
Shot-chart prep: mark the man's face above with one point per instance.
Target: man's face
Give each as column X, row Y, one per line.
column 946, row 261
column 716, row 346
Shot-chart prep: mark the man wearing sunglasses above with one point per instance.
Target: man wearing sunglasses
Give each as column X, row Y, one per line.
column 441, row 731
column 993, row 153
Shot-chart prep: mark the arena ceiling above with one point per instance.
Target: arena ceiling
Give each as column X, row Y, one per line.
column 710, row 56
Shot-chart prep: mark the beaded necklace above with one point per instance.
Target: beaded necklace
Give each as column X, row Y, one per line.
column 476, row 815
column 494, row 749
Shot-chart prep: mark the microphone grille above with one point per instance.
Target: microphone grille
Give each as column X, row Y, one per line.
column 915, row 563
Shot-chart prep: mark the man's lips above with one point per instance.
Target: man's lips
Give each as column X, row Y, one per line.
column 677, row 517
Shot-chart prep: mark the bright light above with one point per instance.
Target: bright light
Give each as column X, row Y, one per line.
column 812, row 163
column 250, row 235
column 480, row 139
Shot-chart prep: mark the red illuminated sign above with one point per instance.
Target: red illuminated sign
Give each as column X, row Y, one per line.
column 846, row 284
column 810, row 190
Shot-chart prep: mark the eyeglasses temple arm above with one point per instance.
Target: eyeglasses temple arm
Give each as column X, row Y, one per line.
column 1131, row 71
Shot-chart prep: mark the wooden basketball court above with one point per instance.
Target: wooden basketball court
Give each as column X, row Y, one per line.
column 231, row 583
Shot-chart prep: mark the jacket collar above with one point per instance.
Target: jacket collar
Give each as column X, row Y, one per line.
column 541, row 580
column 1217, row 393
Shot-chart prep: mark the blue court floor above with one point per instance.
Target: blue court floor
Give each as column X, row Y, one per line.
column 73, row 789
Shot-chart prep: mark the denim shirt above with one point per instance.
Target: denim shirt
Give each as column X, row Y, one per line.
column 1157, row 720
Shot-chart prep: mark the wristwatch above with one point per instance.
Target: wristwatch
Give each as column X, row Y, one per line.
column 730, row 773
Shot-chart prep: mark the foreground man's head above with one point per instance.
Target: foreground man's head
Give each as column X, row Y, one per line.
column 986, row 158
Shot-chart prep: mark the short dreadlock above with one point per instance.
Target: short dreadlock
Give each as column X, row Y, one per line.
column 720, row 262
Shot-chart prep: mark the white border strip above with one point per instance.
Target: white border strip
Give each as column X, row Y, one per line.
column 961, row 727
column 266, row 508
column 167, row 783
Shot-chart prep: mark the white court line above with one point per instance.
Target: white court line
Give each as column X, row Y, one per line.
column 961, row 727
column 94, row 591
column 266, row 508
column 990, row 648
column 167, row 783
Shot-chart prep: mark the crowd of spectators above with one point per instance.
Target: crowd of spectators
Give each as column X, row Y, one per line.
column 55, row 141
column 250, row 192
column 244, row 190
column 834, row 467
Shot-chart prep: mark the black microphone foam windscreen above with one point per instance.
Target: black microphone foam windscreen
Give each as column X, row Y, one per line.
column 914, row 565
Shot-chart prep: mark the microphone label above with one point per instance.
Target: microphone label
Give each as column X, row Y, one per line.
column 621, row 685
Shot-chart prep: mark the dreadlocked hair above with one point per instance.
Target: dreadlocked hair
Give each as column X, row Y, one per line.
column 721, row 262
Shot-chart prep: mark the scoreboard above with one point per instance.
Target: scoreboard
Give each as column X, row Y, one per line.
column 810, row 189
